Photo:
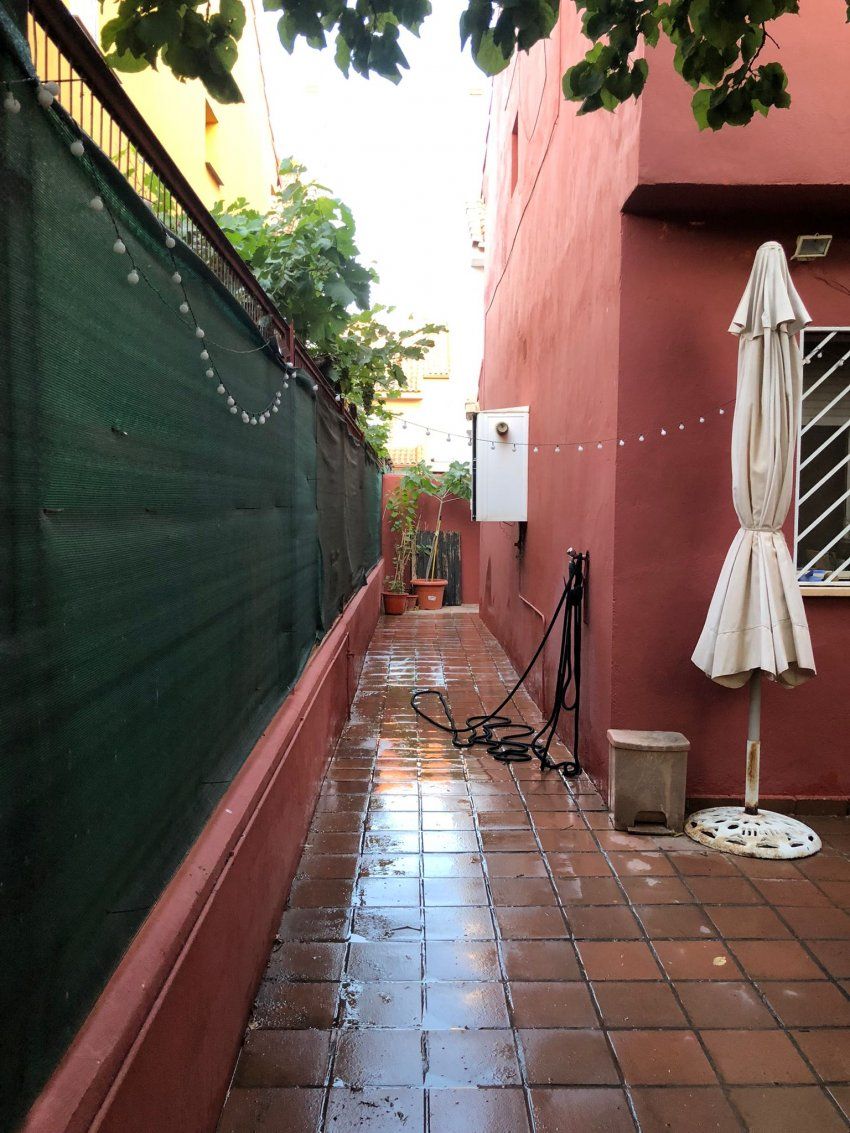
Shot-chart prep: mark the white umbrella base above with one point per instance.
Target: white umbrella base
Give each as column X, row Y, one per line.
column 764, row 835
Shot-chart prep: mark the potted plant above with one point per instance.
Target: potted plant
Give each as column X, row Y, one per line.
column 395, row 590
column 395, row 601
column 402, row 505
column 454, row 484
column 410, row 540
column 401, row 509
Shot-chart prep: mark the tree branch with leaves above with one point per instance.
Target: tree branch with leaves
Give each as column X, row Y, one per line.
column 717, row 43
column 453, row 484
column 420, row 480
column 303, row 250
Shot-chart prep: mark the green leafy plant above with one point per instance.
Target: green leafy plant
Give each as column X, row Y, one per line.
column 191, row 39
column 454, row 484
column 402, row 504
column 402, row 561
column 395, row 585
column 366, row 361
column 304, row 252
column 403, row 501
column 717, row 42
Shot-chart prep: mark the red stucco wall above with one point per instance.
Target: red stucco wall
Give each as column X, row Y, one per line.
column 808, row 146
column 674, row 517
column 605, row 324
column 551, row 342
column 456, row 517
column 157, row 1051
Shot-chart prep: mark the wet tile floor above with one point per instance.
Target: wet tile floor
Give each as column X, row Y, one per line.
column 470, row 946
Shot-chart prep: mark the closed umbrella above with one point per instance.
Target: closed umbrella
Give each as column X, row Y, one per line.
column 756, row 621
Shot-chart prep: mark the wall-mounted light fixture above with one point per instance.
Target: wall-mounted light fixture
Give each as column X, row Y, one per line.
column 811, row 247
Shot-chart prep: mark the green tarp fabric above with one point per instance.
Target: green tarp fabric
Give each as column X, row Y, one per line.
column 165, row 570
column 349, row 511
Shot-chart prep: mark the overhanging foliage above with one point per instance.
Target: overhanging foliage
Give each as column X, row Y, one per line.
column 717, row 42
column 303, row 251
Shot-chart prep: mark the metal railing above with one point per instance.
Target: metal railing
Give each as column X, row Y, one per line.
column 63, row 52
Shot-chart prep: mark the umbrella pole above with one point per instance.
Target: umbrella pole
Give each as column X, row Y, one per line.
column 751, row 794
column 750, row 832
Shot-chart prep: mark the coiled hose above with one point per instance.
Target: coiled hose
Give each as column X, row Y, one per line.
column 503, row 738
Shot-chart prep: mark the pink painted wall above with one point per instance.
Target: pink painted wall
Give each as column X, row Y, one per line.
column 456, row 517
column 157, row 1051
column 808, row 145
column 674, row 517
column 551, row 342
column 603, row 322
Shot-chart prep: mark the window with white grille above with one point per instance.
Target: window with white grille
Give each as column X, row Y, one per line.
column 822, row 544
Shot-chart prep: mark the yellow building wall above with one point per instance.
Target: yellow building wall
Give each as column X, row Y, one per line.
column 224, row 152
column 434, row 399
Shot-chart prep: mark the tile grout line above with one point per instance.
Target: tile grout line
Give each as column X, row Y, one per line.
column 423, row 960
column 724, row 1087
column 751, row 981
column 336, row 1028
column 497, row 940
column 579, row 961
column 448, row 647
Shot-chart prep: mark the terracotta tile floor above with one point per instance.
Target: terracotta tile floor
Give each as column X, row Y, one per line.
column 470, row 946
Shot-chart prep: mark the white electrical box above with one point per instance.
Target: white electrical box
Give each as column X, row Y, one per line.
column 500, row 465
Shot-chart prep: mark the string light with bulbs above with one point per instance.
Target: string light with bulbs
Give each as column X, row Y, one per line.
column 600, row 444
column 185, row 312
column 46, row 94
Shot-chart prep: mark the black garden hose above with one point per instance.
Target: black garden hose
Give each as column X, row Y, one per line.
column 510, row 742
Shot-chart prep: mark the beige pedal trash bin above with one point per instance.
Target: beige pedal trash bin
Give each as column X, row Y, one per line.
column 646, row 783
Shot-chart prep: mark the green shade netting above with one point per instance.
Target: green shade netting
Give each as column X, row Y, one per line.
column 349, row 511
column 165, row 570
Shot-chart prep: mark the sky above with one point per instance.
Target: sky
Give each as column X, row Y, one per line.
column 406, row 158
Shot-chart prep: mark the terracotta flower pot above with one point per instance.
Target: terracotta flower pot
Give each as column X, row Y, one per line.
column 394, row 603
column 430, row 592
column 411, row 601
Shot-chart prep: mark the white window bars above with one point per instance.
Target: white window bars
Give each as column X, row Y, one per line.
column 822, row 539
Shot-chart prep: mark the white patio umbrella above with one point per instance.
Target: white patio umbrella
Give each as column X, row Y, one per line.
column 756, row 621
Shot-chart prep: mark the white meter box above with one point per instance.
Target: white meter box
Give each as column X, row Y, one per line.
column 500, row 466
